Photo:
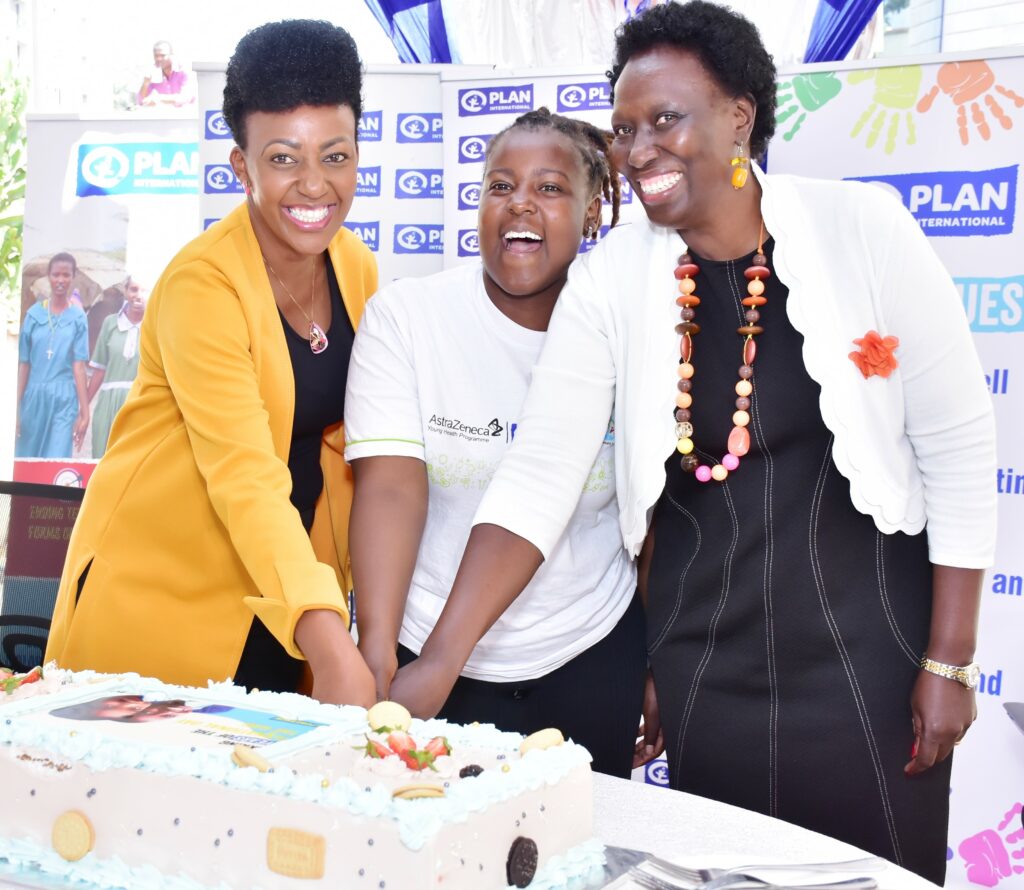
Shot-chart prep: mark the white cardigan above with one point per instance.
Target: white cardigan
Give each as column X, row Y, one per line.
column 917, row 447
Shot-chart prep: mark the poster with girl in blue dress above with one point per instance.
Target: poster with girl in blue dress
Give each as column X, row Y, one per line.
column 53, row 403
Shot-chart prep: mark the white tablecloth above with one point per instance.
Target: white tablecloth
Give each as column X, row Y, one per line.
column 699, row 832
column 703, row 833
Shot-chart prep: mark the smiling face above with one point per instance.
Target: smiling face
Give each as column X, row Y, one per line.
column 60, row 275
column 301, row 169
column 162, row 57
column 675, row 133
column 134, row 299
column 534, row 205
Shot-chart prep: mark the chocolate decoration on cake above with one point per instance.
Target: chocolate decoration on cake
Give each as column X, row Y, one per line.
column 522, row 862
column 470, row 771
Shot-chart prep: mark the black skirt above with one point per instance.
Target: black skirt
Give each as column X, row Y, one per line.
column 784, row 629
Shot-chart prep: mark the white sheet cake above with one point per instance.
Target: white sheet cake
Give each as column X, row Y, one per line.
column 122, row 781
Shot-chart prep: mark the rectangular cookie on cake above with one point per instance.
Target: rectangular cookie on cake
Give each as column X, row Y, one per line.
column 121, row 781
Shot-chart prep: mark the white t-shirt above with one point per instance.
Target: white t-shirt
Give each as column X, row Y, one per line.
column 439, row 373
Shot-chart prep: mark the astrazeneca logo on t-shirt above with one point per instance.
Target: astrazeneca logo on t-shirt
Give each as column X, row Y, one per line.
column 490, row 430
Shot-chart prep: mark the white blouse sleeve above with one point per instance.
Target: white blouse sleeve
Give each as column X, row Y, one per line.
column 948, row 410
column 564, row 418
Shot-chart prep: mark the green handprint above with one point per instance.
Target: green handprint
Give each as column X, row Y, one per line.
column 896, row 92
column 803, row 94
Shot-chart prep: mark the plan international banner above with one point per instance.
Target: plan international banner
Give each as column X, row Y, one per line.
column 119, row 193
column 946, row 137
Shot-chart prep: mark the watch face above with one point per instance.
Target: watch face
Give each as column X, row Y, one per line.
column 973, row 675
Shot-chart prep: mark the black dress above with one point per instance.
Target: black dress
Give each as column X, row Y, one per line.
column 784, row 629
column 319, row 403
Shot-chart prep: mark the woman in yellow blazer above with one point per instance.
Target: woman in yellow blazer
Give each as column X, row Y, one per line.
column 212, row 541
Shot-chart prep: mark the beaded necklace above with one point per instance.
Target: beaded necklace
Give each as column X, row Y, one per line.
column 739, row 439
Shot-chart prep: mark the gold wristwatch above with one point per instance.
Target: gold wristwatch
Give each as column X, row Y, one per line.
column 968, row 675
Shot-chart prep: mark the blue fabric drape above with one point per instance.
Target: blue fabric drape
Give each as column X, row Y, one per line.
column 416, row 28
column 837, row 25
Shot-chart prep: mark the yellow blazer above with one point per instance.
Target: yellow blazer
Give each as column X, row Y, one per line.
column 186, row 527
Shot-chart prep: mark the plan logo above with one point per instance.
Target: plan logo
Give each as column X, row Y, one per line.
column 497, row 99
column 469, row 196
column 656, row 772
column 371, row 126
column 426, row 127
column 104, row 167
column 584, row 96
column 472, row 149
column 419, row 238
column 209, row 221
column 587, row 245
column 419, row 183
column 993, row 305
column 220, row 179
column 957, row 203
column 625, row 192
column 368, row 232
column 137, row 168
column 469, row 242
column 368, row 182
column 216, row 127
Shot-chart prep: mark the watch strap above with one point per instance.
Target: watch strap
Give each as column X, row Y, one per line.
column 950, row 671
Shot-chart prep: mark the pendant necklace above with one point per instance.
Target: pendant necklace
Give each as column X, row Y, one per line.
column 317, row 337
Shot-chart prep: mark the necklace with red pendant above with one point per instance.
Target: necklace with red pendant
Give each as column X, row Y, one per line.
column 317, row 338
column 688, row 301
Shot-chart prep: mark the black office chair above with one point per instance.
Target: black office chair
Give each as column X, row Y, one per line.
column 35, row 527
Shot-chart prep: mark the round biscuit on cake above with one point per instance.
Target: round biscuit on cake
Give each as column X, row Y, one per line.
column 72, row 835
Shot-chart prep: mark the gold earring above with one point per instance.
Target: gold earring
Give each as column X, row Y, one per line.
column 740, row 167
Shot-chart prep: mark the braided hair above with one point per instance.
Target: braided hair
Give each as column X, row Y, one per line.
column 592, row 142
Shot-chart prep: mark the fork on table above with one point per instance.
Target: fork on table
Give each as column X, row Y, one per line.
column 737, row 880
column 655, row 868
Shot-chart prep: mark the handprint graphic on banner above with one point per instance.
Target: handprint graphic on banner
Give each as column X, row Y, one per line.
column 895, row 93
column 964, row 83
column 989, row 856
column 802, row 95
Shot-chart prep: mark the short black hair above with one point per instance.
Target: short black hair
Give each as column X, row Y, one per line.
column 725, row 43
column 284, row 65
column 592, row 142
column 62, row 257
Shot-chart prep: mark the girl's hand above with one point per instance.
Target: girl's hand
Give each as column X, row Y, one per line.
column 423, row 686
column 81, row 425
column 383, row 663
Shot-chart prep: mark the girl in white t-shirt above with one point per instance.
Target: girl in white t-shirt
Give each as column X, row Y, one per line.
column 439, row 372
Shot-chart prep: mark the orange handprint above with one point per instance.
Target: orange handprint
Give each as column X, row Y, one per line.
column 964, row 82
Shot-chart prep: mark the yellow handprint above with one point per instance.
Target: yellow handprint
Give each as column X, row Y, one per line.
column 964, row 82
column 895, row 91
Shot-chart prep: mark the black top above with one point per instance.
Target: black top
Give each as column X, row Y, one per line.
column 319, row 403
column 319, row 398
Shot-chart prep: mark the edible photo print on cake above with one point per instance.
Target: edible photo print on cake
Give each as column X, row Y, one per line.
column 154, row 718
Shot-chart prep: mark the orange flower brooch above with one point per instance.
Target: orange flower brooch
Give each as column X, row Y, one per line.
column 875, row 355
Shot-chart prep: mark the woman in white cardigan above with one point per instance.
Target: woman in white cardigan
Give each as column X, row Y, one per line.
column 801, row 422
